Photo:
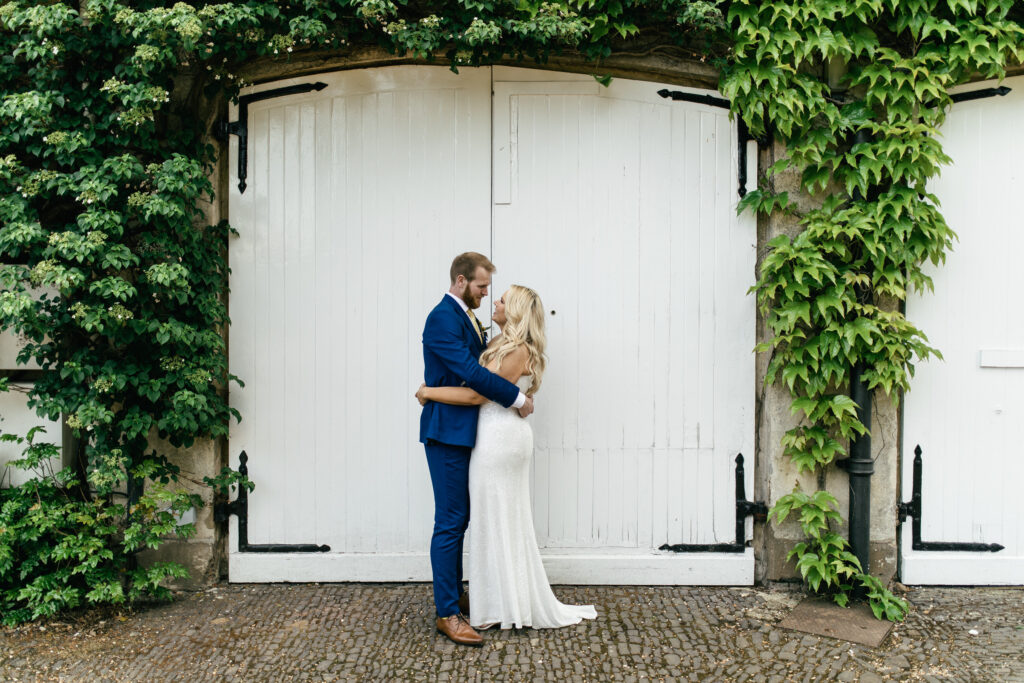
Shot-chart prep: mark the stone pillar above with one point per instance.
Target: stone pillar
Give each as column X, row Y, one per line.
column 775, row 475
column 205, row 554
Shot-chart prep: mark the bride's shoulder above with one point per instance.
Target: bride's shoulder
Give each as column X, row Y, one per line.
column 520, row 349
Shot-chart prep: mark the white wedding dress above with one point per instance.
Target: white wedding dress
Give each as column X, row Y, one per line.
column 507, row 582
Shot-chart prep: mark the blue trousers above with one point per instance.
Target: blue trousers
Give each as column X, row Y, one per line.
column 449, row 475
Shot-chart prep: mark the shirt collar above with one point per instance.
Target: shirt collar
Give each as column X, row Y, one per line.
column 462, row 304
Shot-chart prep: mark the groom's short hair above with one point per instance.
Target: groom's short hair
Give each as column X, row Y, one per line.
column 467, row 263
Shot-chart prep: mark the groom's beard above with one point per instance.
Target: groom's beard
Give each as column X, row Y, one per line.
column 469, row 300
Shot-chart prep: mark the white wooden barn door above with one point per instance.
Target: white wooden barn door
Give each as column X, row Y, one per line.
column 616, row 205
column 967, row 412
column 358, row 197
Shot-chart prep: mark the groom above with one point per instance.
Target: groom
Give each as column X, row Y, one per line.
column 453, row 340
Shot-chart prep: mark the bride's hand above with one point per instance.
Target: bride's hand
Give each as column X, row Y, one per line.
column 527, row 408
column 420, row 395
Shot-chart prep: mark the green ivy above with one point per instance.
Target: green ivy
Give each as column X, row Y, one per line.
column 865, row 151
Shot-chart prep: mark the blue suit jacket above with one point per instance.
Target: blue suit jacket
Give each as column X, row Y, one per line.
column 451, row 348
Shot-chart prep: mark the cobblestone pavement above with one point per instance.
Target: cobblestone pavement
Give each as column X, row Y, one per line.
column 385, row 632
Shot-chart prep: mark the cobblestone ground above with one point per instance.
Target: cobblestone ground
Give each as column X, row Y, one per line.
column 385, row 632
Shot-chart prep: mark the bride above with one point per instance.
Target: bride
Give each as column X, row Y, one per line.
column 507, row 582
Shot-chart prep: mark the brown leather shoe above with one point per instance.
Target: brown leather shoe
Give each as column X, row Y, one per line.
column 464, row 603
column 458, row 630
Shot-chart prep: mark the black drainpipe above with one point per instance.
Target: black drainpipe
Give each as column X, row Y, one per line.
column 859, row 465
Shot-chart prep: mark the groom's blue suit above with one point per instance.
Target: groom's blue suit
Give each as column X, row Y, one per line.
column 451, row 348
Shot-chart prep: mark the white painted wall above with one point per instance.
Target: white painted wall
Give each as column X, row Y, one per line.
column 967, row 412
column 358, row 198
column 17, row 418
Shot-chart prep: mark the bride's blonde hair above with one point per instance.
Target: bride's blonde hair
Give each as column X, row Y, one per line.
column 524, row 324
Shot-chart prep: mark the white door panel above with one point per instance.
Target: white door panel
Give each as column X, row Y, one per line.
column 358, row 197
column 618, row 207
column 967, row 412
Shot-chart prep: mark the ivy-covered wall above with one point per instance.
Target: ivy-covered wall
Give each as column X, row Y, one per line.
column 112, row 198
column 777, row 474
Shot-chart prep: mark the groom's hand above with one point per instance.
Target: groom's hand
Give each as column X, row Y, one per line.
column 527, row 407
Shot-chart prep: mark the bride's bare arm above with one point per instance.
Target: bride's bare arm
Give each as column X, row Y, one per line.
column 513, row 366
column 456, row 396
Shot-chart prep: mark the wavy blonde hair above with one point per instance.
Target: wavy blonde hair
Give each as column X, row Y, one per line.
column 524, row 325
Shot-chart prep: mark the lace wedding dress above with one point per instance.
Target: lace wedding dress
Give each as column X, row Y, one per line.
column 507, row 582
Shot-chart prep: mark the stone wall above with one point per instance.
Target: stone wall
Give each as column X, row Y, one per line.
column 205, row 554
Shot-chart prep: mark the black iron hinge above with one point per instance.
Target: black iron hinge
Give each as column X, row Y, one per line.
column 913, row 509
column 1001, row 91
column 240, row 508
column 744, row 508
column 241, row 126
column 743, row 136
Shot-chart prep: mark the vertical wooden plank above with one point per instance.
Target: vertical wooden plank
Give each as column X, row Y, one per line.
column 615, row 505
column 666, row 237
column 628, row 520
column 424, row 290
column 289, row 296
column 320, row 299
column 303, row 328
column 356, row 172
column 684, row 288
column 710, row 180
column 586, row 502
column 603, row 488
column 274, row 356
column 704, row 518
column 394, row 165
column 329, row 179
column 646, row 488
column 592, row 294
column 654, row 236
column 345, row 158
column 661, row 531
column 675, row 495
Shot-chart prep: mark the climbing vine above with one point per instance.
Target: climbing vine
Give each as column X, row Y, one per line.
column 116, row 283
column 865, row 148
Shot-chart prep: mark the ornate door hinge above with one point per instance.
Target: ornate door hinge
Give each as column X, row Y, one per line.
column 241, row 126
column 913, row 509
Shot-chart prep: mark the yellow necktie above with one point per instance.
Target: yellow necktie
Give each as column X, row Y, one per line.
column 476, row 325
